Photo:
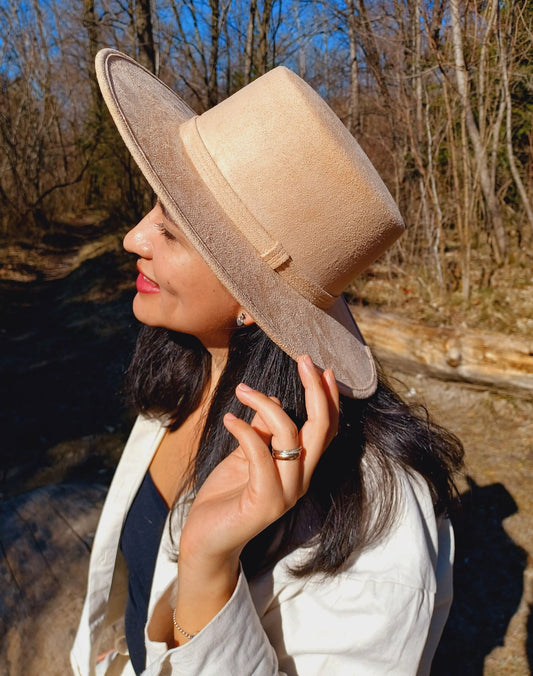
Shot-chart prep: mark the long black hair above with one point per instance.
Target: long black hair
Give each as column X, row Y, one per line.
column 352, row 499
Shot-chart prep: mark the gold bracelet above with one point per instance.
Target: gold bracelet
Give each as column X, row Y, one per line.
column 181, row 631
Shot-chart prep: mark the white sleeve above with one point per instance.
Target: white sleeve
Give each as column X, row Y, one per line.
column 234, row 642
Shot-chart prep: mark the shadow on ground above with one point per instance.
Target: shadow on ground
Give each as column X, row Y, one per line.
column 488, row 581
column 64, row 348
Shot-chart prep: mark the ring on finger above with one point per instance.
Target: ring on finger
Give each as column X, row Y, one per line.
column 289, row 454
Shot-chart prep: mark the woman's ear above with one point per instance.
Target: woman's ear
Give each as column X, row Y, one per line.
column 244, row 318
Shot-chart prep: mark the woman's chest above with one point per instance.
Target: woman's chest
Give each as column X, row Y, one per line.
column 173, row 457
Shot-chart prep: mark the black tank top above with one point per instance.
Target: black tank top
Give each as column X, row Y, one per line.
column 139, row 543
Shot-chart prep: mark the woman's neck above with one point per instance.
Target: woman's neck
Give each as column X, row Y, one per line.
column 219, row 358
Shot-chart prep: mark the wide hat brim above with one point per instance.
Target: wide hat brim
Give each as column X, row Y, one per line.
column 148, row 116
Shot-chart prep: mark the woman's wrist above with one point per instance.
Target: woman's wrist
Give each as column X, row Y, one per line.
column 215, row 576
column 203, row 590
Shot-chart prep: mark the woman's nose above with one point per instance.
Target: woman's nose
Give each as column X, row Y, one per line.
column 137, row 240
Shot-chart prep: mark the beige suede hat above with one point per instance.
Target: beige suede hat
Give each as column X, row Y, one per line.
column 274, row 193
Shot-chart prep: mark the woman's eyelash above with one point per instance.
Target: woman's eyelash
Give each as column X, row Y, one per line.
column 166, row 233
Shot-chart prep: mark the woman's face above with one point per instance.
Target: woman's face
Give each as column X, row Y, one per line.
column 176, row 289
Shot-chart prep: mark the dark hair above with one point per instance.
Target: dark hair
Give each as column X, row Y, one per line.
column 352, row 499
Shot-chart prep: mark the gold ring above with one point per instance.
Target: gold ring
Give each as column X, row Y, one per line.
column 290, row 454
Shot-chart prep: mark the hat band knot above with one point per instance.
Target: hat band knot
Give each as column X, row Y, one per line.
column 271, row 251
column 275, row 256
column 305, row 286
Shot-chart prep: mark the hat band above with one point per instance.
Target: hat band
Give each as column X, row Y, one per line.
column 271, row 251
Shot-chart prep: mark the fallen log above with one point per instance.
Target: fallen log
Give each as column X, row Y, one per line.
column 489, row 360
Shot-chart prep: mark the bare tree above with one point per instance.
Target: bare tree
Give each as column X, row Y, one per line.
column 504, row 55
column 249, row 48
column 491, row 201
column 91, row 26
column 146, row 48
column 264, row 27
column 436, row 103
column 353, row 123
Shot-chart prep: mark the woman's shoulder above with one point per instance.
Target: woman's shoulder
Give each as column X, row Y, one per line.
column 408, row 549
column 412, row 547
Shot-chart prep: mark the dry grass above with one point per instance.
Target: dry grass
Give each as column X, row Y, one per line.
column 501, row 300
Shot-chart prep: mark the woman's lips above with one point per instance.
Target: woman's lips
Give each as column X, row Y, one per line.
column 145, row 285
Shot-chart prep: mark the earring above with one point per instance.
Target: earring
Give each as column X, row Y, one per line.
column 240, row 319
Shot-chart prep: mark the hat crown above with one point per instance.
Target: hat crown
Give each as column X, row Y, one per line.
column 296, row 168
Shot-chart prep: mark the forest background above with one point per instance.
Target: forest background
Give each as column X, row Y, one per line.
column 440, row 95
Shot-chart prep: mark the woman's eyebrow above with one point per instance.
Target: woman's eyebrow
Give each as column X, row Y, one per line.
column 163, row 209
column 174, row 228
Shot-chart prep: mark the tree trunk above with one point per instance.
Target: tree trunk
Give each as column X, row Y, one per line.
column 353, row 106
column 416, row 67
column 262, row 46
column 460, row 214
column 436, row 239
column 145, row 35
column 89, row 22
column 249, row 48
column 212, row 79
column 491, row 201
column 302, row 62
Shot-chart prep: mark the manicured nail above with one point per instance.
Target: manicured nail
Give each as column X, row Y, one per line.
column 307, row 361
column 230, row 416
column 244, row 387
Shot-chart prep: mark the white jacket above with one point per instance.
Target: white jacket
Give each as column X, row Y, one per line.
column 383, row 614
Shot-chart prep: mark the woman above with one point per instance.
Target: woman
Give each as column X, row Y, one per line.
column 276, row 509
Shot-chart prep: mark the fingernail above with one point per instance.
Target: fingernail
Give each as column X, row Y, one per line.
column 244, row 387
column 307, row 361
column 230, row 416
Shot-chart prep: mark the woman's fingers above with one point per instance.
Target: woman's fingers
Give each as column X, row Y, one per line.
column 282, row 428
column 284, row 436
column 271, row 494
column 321, row 398
column 261, row 427
column 322, row 405
column 328, row 378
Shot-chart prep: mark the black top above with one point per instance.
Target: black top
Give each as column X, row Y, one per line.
column 139, row 543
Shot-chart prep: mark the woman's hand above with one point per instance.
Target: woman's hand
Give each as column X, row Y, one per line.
column 249, row 490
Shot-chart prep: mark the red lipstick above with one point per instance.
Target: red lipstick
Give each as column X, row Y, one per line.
column 145, row 285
